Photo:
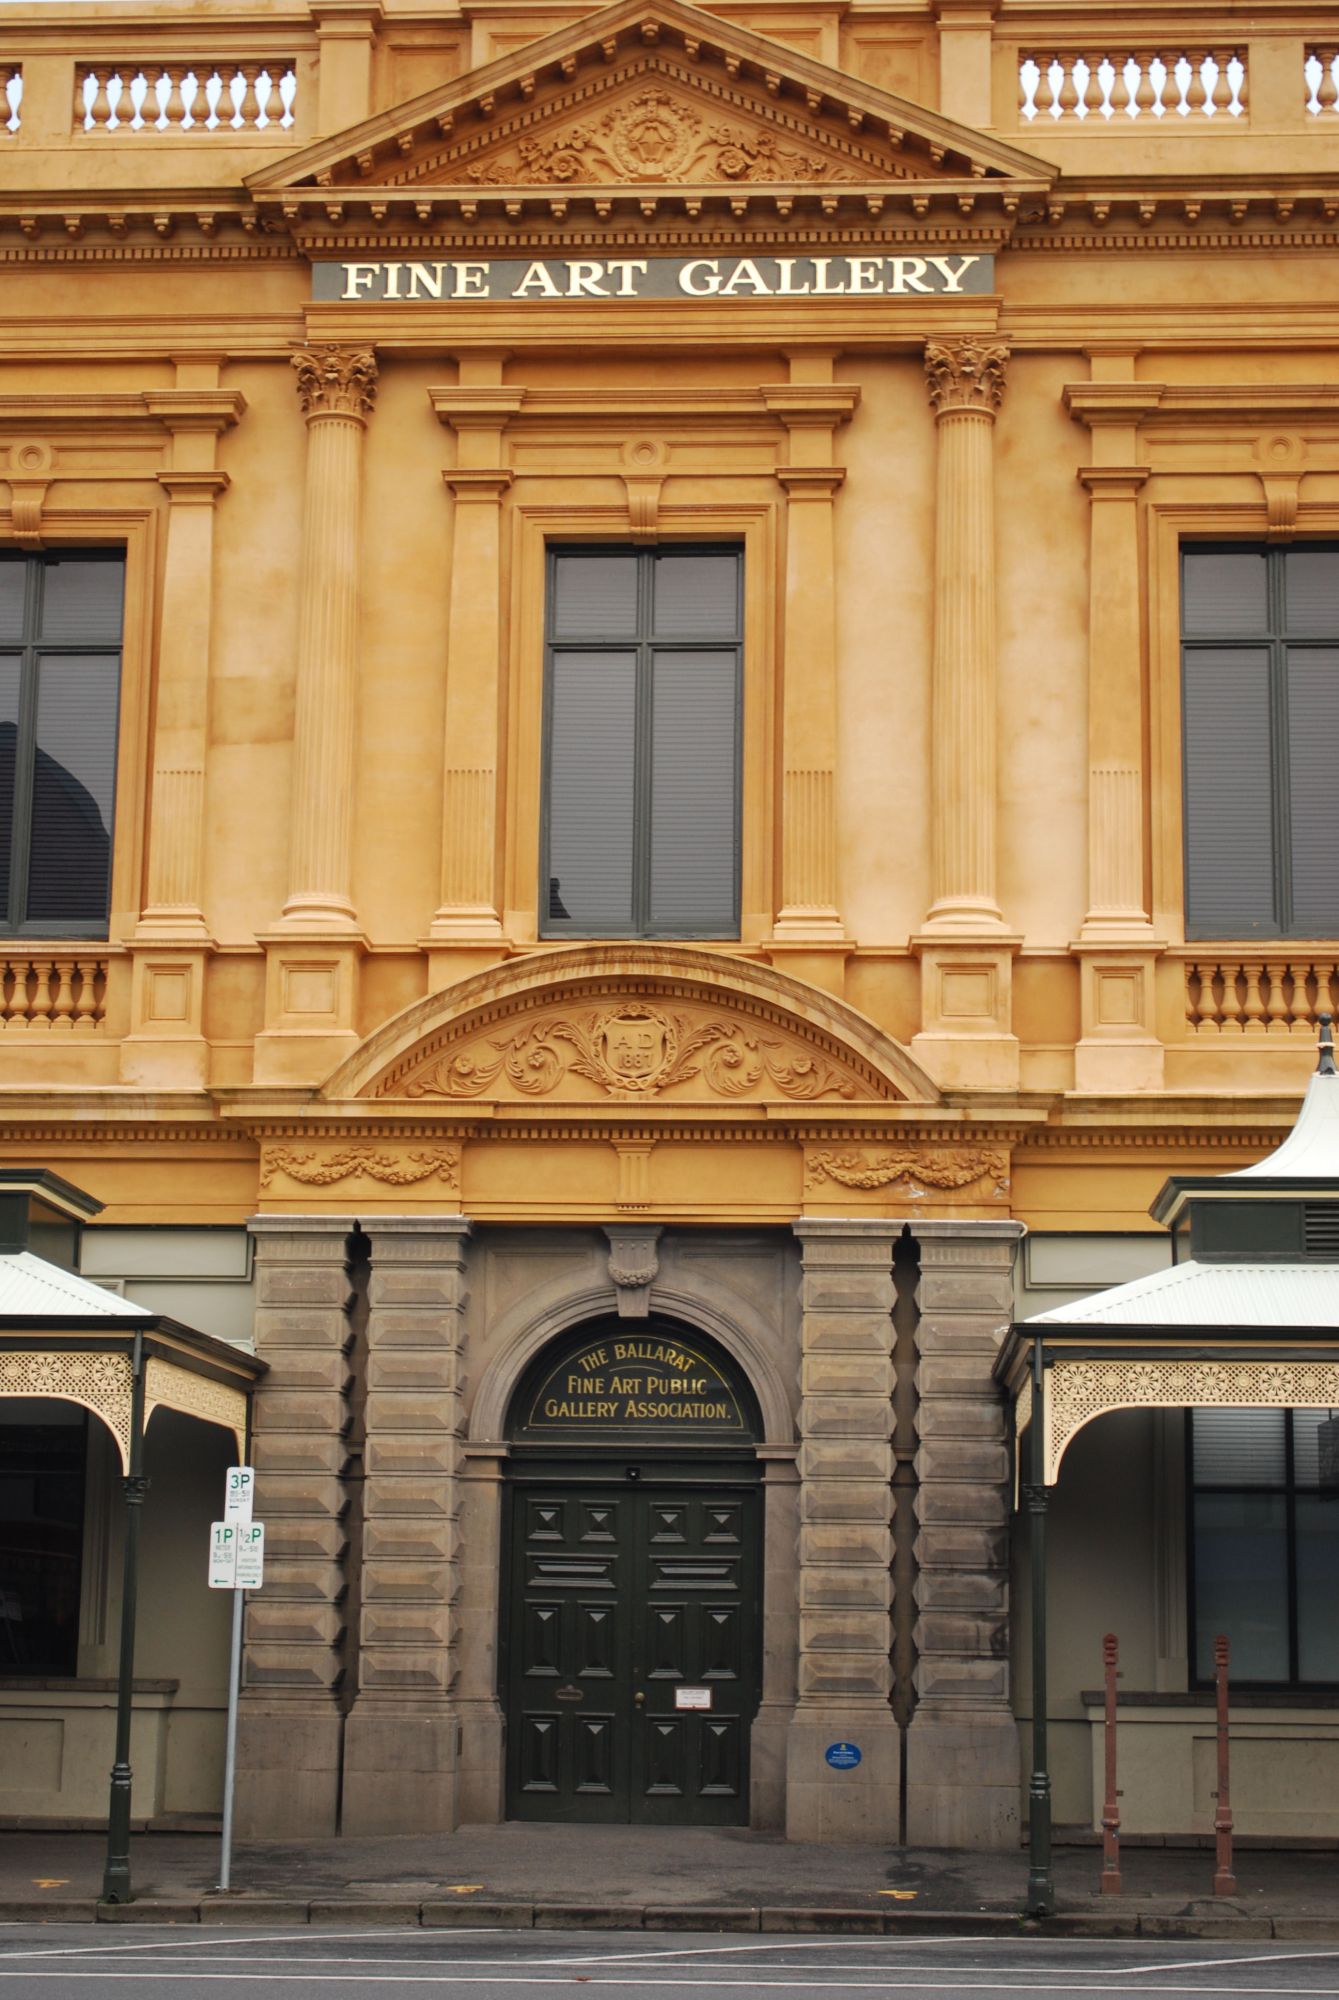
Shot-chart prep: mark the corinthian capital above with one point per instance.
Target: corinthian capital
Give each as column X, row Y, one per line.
column 336, row 381
column 966, row 375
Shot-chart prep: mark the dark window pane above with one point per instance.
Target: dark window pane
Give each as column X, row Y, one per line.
column 1239, row 1447
column 1224, row 592
column 1313, row 762
column 1317, row 1589
column 595, row 597
column 1241, row 1582
column 591, row 759
column 1315, row 1448
column 42, row 1449
column 9, row 730
column 74, row 777
column 696, row 597
column 81, row 601
column 1311, row 592
column 693, row 792
column 1229, row 822
column 13, row 586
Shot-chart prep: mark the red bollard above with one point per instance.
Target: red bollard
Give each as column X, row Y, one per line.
column 1110, row 1884
column 1224, row 1881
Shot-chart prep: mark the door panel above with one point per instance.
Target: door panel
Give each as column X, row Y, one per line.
column 620, row 1598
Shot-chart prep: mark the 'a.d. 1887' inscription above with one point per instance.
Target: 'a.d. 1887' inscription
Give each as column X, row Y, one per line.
column 456, row 280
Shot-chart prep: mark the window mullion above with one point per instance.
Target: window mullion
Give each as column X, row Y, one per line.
column 643, row 724
column 1279, row 744
column 25, row 740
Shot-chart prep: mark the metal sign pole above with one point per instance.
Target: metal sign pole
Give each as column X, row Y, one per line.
column 230, row 1753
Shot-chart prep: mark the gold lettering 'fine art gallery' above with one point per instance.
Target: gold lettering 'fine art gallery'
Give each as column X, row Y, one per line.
column 667, row 710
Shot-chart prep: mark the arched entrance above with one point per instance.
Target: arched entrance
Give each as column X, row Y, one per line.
column 631, row 1654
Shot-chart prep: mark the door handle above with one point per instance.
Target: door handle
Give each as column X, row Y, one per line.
column 638, row 1699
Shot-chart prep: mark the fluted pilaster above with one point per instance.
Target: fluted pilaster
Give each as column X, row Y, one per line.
column 966, row 384
column 336, row 388
column 1116, row 896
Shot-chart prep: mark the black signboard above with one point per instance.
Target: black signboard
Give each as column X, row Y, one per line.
column 656, row 1386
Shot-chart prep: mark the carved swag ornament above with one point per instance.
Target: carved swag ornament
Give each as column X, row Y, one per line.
column 631, row 1051
column 958, row 1168
column 393, row 1169
column 655, row 138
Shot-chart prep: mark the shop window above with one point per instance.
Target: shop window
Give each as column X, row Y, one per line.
column 642, row 743
column 43, row 1449
column 1260, row 685
column 1265, row 1543
column 60, row 671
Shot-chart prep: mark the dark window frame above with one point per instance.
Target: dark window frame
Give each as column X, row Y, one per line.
column 51, row 1667
column 645, row 645
column 30, row 651
column 1276, row 642
column 1290, row 1492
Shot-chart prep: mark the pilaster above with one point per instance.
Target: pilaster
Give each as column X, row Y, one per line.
column 1119, row 1048
column 346, row 33
column 314, row 952
column 845, row 1537
column 962, row 1745
column 401, row 1740
column 467, row 919
column 966, row 1036
column 166, row 1046
column 810, row 406
column 290, row 1723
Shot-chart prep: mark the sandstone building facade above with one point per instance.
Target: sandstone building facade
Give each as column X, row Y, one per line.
column 668, row 695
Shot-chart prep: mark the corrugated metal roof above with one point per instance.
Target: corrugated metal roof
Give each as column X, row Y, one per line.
column 30, row 1288
column 1311, row 1150
column 1211, row 1296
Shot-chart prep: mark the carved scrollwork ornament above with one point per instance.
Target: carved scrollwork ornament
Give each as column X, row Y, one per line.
column 336, row 381
column 965, row 375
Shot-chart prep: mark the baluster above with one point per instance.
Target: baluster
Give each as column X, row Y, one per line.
column 1327, row 91
column 1206, row 1009
column 208, row 97
column 1277, row 1006
column 1025, row 96
column 62, row 1009
column 1254, row 1023
column 19, row 1009
column 174, row 110
column 1068, row 98
column 1326, row 979
column 1231, row 1009
column 9, row 987
column 1045, row 97
column 1094, row 97
column 1222, row 84
column 1196, row 94
column 1145, row 91
column 99, row 113
column 85, row 999
column 1299, row 1013
column 1120, row 86
column 39, row 1007
column 1242, row 81
column 249, row 114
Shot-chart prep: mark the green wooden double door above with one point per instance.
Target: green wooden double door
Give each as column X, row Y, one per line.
column 633, row 1648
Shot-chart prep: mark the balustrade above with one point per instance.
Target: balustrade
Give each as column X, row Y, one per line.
column 1105, row 87
column 1228, row 995
column 44, row 992
column 184, row 96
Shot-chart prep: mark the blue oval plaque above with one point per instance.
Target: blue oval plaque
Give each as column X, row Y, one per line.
column 843, row 1756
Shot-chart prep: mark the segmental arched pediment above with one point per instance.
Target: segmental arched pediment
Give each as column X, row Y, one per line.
column 622, row 1023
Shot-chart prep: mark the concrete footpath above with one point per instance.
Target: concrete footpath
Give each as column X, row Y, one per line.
column 629, row 1878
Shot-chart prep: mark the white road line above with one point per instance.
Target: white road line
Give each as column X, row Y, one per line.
column 199, row 1938
column 946, row 1984
column 777, row 1944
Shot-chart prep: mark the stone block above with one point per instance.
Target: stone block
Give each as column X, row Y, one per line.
column 290, row 1579
column 824, row 1804
column 957, row 1633
column 960, row 1503
column 292, row 1493
column 964, row 1416
column 862, row 1375
column 316, row 1407
column 834, row 1587
column 846, row 1458
column 858, row 1544
column 973, row 1460
column 280, row 1334
column 845, row 1500
column 399, row 1770
column 299, row 1451
column 308, row 1285
column 944, row 1373
column 436, row 1455
column 406, row 1625
column 408, row 1581
column 273, row 1622
column 410, row 1370
column 955, row 1678
column 288, row 1758
column 848, row 1332
column 408, row 1537
column 846, row 1416
column 829, row 1677
column 411, row 1494
column 845, row 1631
column 305, row 1536
column 954, row 1589
column 963, row 1782
column 954, row 1545
column 406, row 1670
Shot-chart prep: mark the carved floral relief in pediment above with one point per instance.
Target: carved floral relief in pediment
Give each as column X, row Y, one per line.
column 655, row 137
column 633, row 1051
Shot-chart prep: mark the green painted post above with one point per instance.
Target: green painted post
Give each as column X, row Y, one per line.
column 1040, row 1885
column 116, row 1874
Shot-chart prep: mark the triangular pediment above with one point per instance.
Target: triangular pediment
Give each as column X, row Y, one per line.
column 659, row 97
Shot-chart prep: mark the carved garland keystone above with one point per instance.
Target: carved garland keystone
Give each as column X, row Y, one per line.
column 335, row 381
column 966, row 375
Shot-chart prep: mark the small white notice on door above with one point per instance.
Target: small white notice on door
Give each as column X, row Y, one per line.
column 692, row 1697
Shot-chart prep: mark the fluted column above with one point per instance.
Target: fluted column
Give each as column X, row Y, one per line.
column 336, row 387
column 966, row 382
